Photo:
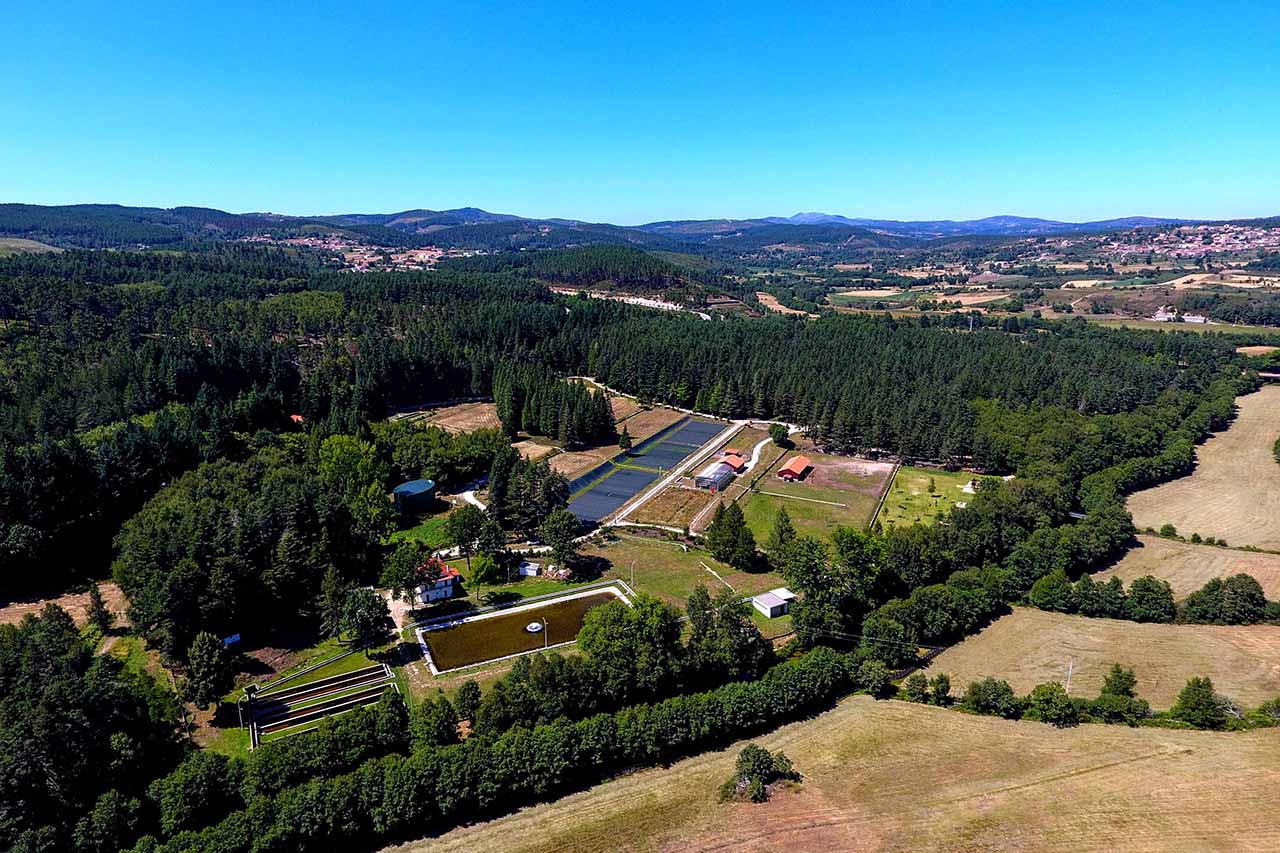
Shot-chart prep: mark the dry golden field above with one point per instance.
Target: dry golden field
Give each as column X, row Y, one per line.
column 1029, row 647
column 75, row 603
column 465, row 417
column 1234, row 493
column 674, row 506
column 896, row 776
column 1188, row 567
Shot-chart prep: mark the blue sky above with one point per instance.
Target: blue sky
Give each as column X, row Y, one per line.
column 630, row 113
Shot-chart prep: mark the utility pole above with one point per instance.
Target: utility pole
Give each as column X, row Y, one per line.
column 1070, row 666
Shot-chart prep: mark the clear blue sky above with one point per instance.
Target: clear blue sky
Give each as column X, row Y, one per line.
column 633, row 112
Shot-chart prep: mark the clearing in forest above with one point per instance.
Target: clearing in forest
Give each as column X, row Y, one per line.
column 1029, row 647
column 465, row 417
column 1188, row 567
column 1234, row 492
column 838, row 490
column 75, row 603
column 911, row 501
column 896, row 776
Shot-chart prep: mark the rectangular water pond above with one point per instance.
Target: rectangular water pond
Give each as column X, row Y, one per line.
column 504, row 633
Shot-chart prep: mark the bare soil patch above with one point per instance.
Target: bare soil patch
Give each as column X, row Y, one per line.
column 1234, row 492
column 1029, row 647
column 532, row 449
column 465, row 417
column 674, row 506
column 1258, row 349
column 1188, row 567
column 979, row 297
column 768, row 300
column 75, row 603
column 896, row 776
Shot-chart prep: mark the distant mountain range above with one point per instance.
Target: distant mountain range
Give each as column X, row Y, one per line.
column 95, row 225
column 1005, row 226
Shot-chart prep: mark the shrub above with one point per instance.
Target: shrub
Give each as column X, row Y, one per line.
column 873, row 677
column 1053, row 592
column 1197, row 705
column 756, row 769
column 1150, row 600
column 1237, row 600
column 940, row 689
column 916, row 688
column 992, row 697
column 1049, row 703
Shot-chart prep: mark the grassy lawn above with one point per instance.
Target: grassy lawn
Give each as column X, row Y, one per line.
column 429, row 530
column 910, row 500
column 809, row 519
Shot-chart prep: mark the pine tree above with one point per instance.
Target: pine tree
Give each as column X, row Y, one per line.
column 780, row 537
column 624, row 440
column 209, row 673
column 333, row 593
column 99, row 616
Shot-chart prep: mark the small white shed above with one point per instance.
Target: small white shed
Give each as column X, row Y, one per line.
column 774, row 603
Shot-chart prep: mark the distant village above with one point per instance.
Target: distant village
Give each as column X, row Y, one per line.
column 362, row 257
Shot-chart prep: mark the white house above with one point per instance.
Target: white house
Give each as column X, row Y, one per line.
column 444, row 587
column 530, row 569
column 774, row 603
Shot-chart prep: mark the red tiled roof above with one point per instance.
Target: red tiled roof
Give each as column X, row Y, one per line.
column 796, row 466
column 734, row 461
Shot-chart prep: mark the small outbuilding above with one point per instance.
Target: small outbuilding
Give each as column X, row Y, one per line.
column 795, row 469
column 774, row 603
column 715, row 476
column 735, row 461
column 415, row 496
column 530, row 569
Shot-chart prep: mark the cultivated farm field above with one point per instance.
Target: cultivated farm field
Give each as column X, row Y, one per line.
column 1029, row 647
column 1234, row 492
column 896, row 776
column 1188, row 567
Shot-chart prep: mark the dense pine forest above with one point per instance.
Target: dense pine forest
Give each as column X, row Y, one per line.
column 209, row 428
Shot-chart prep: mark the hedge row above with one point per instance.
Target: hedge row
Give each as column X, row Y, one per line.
column 437, row 788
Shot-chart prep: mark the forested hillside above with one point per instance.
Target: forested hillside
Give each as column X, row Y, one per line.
column 113, row 225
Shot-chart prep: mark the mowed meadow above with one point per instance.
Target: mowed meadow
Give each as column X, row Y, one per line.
column 896, row 776
column 1234, row 492
column 1187, row 567
column 1029, row 647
